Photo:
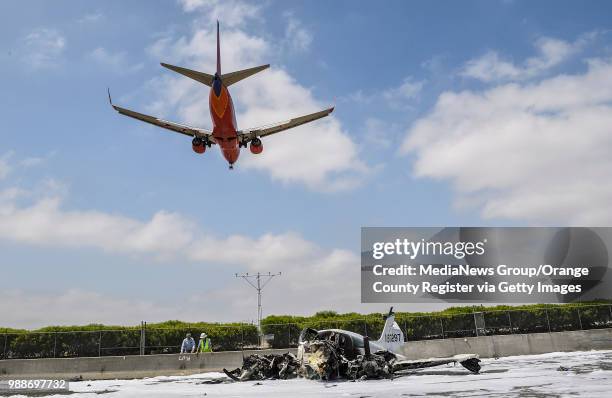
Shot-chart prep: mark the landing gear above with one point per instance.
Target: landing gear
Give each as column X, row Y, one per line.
column 231, row 166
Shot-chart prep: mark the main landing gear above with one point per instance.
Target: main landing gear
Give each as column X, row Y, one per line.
column 231, row 166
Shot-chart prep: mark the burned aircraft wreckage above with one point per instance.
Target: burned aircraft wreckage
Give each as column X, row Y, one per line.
column 336, row 353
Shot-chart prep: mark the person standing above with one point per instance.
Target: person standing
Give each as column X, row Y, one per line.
column 204, row 345
column 188, row 344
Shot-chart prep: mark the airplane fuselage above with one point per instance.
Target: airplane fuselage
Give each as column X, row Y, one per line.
column 224, row 120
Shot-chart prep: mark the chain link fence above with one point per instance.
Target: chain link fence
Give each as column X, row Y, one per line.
column 144, row 340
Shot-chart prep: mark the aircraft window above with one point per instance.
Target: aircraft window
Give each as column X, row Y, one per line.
column 357, row 342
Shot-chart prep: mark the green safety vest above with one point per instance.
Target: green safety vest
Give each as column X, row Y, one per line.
column 204, row 345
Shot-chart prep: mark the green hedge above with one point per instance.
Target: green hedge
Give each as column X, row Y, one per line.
column 94, row 340
column 166, row 337
column 451, row 322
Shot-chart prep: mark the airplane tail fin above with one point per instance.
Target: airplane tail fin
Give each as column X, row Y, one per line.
column 228, row 78
column 392, row 336
column 218, row 51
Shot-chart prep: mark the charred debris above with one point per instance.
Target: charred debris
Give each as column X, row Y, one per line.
column 323, row 356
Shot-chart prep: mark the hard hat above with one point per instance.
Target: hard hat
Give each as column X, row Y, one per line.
column 203, row 336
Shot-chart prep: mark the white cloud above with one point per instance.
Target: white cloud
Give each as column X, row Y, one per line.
column 45, row 223
column 409, row 90
column 91, row 18
column 228, row 12
column 297, row 37
column 399, row 97
column 320, row 155
column 43, row 47
column 76, row 306
column 311, row 274
column 117, row 61
column 4, row 168
column 380, row 133
column 32, row 161
column 491, row 67
column 536, row 152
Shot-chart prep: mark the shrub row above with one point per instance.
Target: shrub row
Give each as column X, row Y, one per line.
column 166, row 337
column 452, row 322
column 101, row 340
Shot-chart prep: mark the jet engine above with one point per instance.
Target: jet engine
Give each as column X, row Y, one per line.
column 198, row 145
column 256, row 146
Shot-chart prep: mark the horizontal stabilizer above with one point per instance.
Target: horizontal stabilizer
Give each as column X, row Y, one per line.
column 234, row 77
column 195, row 75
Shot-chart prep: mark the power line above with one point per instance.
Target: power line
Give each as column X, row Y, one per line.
column 255, row 281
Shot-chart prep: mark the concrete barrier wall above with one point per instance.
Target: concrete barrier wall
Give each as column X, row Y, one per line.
column 127, row 367
column 176, row 364
column 513, row 344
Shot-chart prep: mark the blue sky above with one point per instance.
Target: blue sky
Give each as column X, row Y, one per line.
column 447, row 113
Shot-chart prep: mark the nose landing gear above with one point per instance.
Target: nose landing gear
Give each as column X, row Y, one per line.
column 231, row 166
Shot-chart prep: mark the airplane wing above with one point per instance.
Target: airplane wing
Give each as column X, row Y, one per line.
column 247, row 135
column 176, row 127
column 468, row 361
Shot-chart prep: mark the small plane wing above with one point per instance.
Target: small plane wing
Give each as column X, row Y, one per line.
column 247, row 135
column 179, row 128
column 468, row 361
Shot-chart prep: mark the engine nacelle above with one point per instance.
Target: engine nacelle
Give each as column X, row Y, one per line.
column 256, row 146
column 198, row 146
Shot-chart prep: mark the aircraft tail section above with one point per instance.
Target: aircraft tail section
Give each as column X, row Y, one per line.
column 201, row 77
column 392, row 337
column 228, row 79
column 234, row 77
column 218, row 51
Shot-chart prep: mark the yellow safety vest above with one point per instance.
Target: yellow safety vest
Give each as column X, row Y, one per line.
column 204, row 345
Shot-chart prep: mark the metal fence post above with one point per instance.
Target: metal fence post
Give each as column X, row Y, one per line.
column 475, row 324
column 54, row 344
column 144, row 339
column 579, row 318
column 547, row 319
column 484, row 323
column 510, row 322
column 442, row 328
column 365, row 327
column 100, row 344
column 288, row 335
column 241, row 337
column 4, row 351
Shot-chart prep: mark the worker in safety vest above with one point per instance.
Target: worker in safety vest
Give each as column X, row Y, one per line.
column 204, row 345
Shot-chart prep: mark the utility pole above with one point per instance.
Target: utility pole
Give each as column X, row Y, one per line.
column 255, row 281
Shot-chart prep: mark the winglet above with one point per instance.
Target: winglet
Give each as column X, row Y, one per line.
column 110, row 100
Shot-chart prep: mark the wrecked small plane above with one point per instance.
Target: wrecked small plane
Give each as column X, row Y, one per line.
column 336, row 353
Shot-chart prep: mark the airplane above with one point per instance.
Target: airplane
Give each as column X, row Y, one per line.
column 391, row 342
column 225, row 132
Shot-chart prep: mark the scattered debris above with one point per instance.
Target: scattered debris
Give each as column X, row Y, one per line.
column 262, row 367
column 324, row 359
column 335, row 353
